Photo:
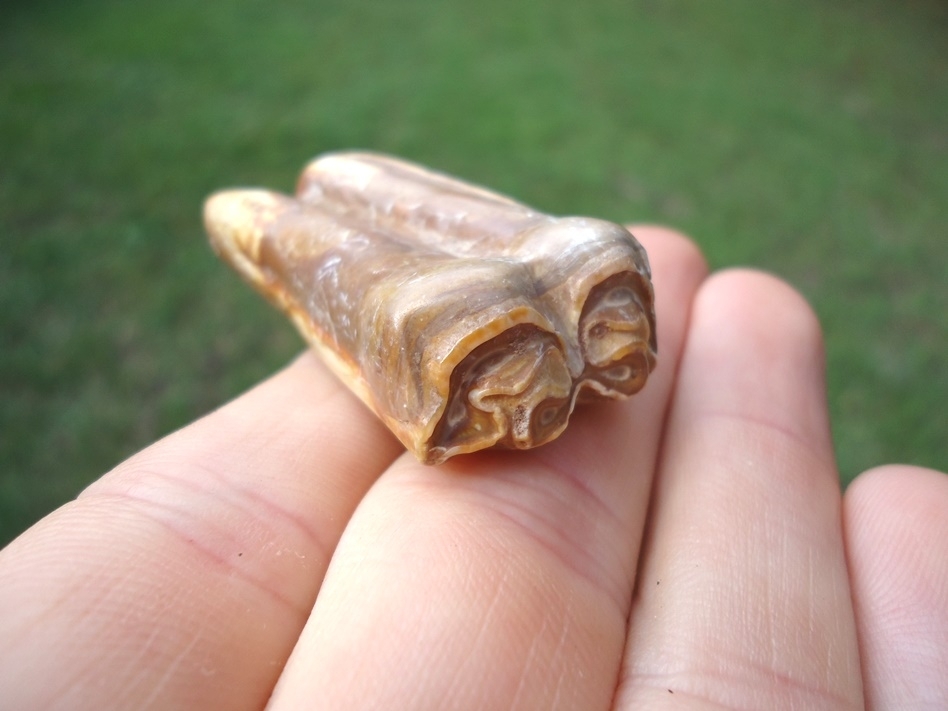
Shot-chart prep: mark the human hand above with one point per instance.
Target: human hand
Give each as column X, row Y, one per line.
column 688, row 548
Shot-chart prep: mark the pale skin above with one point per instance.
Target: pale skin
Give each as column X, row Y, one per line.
column 687, row 549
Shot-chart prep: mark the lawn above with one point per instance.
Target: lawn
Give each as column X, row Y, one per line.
column 803, row 137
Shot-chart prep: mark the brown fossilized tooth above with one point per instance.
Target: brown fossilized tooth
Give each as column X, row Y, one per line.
column 465, row 320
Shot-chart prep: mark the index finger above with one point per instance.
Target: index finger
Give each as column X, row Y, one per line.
column 184, row 576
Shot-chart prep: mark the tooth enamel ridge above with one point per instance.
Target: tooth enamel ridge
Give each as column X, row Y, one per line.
column 462, row 318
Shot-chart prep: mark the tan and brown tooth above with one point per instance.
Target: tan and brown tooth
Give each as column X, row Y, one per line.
column 463, row 319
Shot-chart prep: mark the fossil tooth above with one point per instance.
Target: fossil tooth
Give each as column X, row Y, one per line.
column 464, row 319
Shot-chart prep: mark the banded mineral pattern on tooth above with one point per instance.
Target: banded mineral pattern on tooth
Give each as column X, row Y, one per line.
column 462, row 318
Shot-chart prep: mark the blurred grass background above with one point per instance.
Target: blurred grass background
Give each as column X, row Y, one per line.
column 809, row 138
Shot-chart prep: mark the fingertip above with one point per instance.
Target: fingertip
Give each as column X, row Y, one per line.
column 740, row 297
column 897, row 515
column 896, row 510
column 896, row 532
column 895, row 478
column 670, row 245
column 763, row 344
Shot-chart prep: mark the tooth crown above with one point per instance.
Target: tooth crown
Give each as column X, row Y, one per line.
column 465, row 320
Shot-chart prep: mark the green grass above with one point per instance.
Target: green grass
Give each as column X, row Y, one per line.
column 807, row 138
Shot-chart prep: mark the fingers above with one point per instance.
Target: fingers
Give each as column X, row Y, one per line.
column 182, row 578
column 498, row 580
column 896, row 521
column 742, row 598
